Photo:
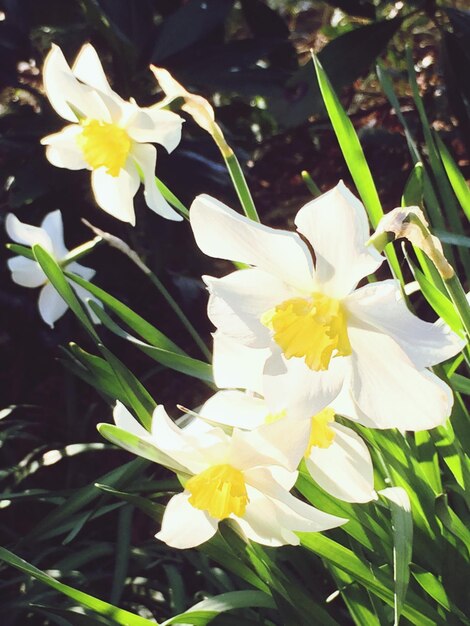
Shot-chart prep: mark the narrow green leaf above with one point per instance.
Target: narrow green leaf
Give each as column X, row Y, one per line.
column 456, row 179
column 137, row 396
column 434, row 588
column 452, row 522
column 203, row 612
column 441, row 304
column 171, row 198
column 414, row 187
column 54, row 273
column 178, row 362
column 152, row 509
column 416, row 610
column 402, row 526
column 119, row 616
column 127, row 315
column 354, row 157
column 21, row 250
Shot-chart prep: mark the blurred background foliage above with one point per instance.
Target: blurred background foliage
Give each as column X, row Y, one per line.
column 252, row 59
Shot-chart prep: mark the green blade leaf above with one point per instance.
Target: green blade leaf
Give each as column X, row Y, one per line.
column 178, row 362
column 354, row 157
column 54, row 273
column 127, row 315
column 203, row 612
column 456, row 179
column 119, row 616
column 402, row 525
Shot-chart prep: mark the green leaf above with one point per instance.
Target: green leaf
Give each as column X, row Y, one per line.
column 441, row 304
column 171, row 198
column 452, row 522
column 204, row 612
column 402, row 525
column 54, row 273
column 354, row 157
column 178, row 362
column 119, row 616
column 73, row 617
column 21, row 250
column 137, row 396
column 152, row 509
column 434, row 588
column 127, row 315
column 95, row 371
column 456, row 179
column 416, row 610
column 414, row 188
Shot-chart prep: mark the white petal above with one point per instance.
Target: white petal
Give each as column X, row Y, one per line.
column 54, row 227
column 336, row 226
column 63, row 150
column 235, row 365
column 26, row 272
column 194, row 450
column 222, row 233
column 389, row 391
column 382, row 306
column 260, row 523
column 26, row 234
column 290, row 383
column 235, row 408
column 87, row 68
column 51, row 305
column 153, row 125
column 124, row 419
column 238, row 301
column 81, row 270
column 281, row 443
column 146, row 157
column 115, row 194
column 295, row 515
column 184, row 526
column 63, row 88
column 344, row 469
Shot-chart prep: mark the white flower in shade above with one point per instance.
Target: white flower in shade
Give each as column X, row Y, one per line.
column 335, row 456
column 241, row 477
column 28, row 273
column 108, row 135
column 304, row 328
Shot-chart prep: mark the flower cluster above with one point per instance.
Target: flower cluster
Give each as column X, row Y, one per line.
column 301, row 347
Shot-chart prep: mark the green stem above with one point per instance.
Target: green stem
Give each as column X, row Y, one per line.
column 458, row 297
column 239, row 182
column 179, row 313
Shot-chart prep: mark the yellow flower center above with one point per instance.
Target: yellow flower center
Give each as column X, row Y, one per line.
column 220, row 490
column 321, row 435
column 311, row 328
column 104, row 145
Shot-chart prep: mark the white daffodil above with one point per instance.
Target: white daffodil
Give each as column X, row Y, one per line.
column 28, row 273
column 335, row 456
column 305, row 327
column 225, row 477
column 108, row 135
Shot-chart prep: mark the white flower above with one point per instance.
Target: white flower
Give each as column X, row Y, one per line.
column 108, row 135
column 28, row 273
column 336, row 457
column 305, row 332
column 231, row 477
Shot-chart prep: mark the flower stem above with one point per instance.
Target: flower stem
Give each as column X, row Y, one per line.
column 241, row 187
column 179, row 313
column 458, row 297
